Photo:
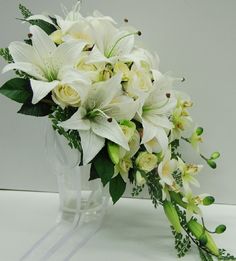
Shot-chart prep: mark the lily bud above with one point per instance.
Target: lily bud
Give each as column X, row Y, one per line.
column 220, row 229
column 207, row 201
column 113, row 152
column 215, row 155
column 197, row 230
column 172, row 215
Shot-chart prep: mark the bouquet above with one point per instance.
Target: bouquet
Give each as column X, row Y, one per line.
column 106, row 96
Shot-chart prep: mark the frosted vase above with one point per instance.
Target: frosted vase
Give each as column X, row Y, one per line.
column 83, row 203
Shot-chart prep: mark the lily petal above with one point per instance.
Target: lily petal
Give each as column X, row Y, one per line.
column 118, row 108
column 76, row 122
column 28, row 68
column 22, row 52
column 41, row 89
column 162, row 138
column 67, row 53
column 43, row 45
column 109, row 130
column 96, row 56
column 149, row 131
column 91, row 145
column 161, row 121
column 102, row 93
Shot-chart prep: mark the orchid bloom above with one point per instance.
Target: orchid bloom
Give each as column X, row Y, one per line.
column 166, row 168
column 46, row 63
column 188, row 172
column 96, row 119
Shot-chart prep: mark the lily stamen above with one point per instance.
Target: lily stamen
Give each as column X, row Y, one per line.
column 120, row 39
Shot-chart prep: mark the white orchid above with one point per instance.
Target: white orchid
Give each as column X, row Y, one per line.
column 96, row 119
column 46, row 63
column 188, row 172
column 166, row 168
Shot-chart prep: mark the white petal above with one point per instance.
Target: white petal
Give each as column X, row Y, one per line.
column 67, row 54
column 91, row 145
column 157, row 120
column 68, row 75
column 43, row 45
column 162, row 138
column 102, row 93
column 22, row 52
column 118, row 108
column 123, row 46
column 96, row 56
column 110, row 130
column 40, row 17
column 28, row 68
column 41, row 89
column 149, row 131
column 76, row 122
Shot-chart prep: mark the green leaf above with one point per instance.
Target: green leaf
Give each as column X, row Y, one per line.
column 117, row 188
column 93, row 173
column 104, row 167
column 39, row 110
column 25, row 11
column 48, row 28
column 17, row 89
column 5, row 54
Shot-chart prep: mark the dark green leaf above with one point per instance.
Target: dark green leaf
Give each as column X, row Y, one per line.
column 117, row 188
column 48, row 28
column 104, row 167
column 17, row 89
column 93, row 173
column 39, row 110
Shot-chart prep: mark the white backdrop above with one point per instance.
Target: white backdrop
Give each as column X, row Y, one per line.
column 194, row 38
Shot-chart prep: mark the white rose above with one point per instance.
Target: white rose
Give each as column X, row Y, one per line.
column 65, row 95
column 146, row 161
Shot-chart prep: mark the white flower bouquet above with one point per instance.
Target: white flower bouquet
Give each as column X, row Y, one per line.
column 107, row 97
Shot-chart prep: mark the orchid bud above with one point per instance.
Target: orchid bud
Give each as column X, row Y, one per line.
column 215, row 155
column 199, row 131
column 140, row 180
column 220, row 229
column 211, row 163
column 207, row 201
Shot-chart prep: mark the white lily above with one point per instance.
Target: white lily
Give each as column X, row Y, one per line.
column 45, row 62
column 96, row 120
column 154, row 117
column 111, row 43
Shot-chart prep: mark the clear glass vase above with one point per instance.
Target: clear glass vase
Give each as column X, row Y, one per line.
column 83, row 203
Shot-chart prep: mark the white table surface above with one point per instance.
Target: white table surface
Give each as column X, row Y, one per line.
column 132, row 230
